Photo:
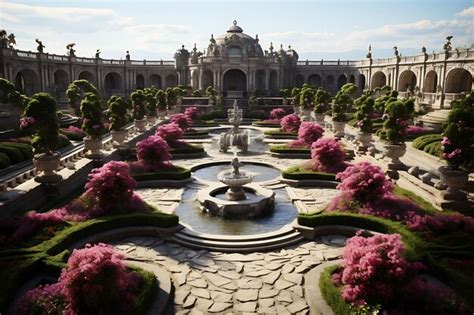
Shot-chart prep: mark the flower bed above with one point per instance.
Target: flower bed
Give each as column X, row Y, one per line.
column 300, row 173
column 280, row 134
column 285, row 149
column 170, row 173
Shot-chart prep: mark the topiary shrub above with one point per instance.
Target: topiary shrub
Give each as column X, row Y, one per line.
column 118, row 113
column 387, row 96
column 9, row 94
column 77, row 90
column 396, row 116
column 306, row 97
column 321, row 99
column 4, row 161
column 343, row 101
column 161, row 100
column 92, row 116
column 150, row 101
column 138, row 99
column 41, row 120
column 365, row 110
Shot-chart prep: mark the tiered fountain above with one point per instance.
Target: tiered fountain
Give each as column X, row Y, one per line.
column 234, row 137
column 233, row 200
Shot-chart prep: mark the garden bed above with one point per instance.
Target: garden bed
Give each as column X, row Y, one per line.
column 192, row 151
column 279, row 134
column 268, row 124
column 298, row 173
column 430, row 143
column 203, row 123
column 196, row 134
column 175, row 175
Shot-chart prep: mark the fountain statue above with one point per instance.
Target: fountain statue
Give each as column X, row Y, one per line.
column 237, row 197
column 235, row 137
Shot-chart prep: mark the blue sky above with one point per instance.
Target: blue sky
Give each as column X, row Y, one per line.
column 316, row 29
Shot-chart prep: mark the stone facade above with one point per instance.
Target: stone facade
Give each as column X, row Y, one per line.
column 235, row 64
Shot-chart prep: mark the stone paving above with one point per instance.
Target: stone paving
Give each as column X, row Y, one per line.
column 231, row 283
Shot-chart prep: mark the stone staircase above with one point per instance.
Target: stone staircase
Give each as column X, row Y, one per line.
column 240, row 243
column 434, row 120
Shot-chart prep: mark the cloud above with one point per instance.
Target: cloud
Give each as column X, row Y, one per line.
column 466, row 12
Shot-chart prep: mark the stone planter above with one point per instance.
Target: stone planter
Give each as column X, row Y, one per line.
column 48, row 164
column 338, row 128
column 363, row 140
column 305, row 114
column 296, row 110
column 454, row 180
column 94, row 145
column 319, row 119
column 119, row 136
column 151, row 120
column 140, row 124
column 394, row 152
column 161, row 113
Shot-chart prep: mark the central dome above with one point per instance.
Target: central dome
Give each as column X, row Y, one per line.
column 235, row 31
column 235, row 28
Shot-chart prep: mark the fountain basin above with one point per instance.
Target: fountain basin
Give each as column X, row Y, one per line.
column 259, row 202
column 235, row 183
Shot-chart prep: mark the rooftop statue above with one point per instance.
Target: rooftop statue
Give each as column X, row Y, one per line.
column 11, row 39
column 70, row 48
column 97, row 54
column 40, row 47
column 369, row 53
column 447, row 46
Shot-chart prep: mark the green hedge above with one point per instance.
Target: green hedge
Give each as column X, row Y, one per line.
column 26, row 150
column 287, row 149
column 279, row 133
column 71, row 135
column 146, row 297
column 4, row 161
column 196, row 133
column 191, row 149
column 14, row 154
column 174, row 173
column 297, row 173
column 430, row 143
column 263, row 123
column 332, row 294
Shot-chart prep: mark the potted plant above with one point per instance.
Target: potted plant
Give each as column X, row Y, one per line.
column 340, row 104
column 41, row 119
column 75, row 92
column 295, row 93
column 457, row 147
column 396, row 116
column 138, row 110
column 92, row 124
column 306, row 102
column 119, row 118
column 161, row 102
column 150, row 106
column 212, row 94
column 363, row 117
column 321, row 99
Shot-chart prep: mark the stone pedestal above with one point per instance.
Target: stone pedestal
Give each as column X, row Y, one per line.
column 47, row 164
column 338, row 128
column 393, row 152
column 118, row 137
column 305, row 114
column 140, row 124
column 94, row 145
column 363, row 140
column 455, row 180
column 151, row 120
column 319, row 119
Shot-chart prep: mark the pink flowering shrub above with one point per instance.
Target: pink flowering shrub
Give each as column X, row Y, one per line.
column 308, row 133
column 95, row 281
column 26, row 122
column 290, row 123
column 153, row 153
column 375, row 271
column 436, row 225
column 33, row 221
column 277, row 114
column 416, row 130
column 181, row 120
column 171, row 133
column 364, row 182
column 192, row 113
column 327, row 155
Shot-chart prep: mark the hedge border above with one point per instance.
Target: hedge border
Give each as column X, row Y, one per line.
column 295, row 173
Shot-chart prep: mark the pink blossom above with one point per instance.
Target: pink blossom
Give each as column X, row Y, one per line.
column 277, row 114
column 192, row 113
column 25, row 122
column 181, row 120
column 445, row 141
column 171, row 133
column 290, row 123
column 153, row 152
column 327, row 155
column 309, row 132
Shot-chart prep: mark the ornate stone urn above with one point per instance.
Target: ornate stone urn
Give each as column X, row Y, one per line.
column 363, row 140
column 140, row 124
column 319, row 119
column 94, row 145
column 151, row 120
column 305, row 114
column 119, row 136
column 161, row 113
column 47, row 164
column 455, row 180
column 338, row 128
column 394, row 152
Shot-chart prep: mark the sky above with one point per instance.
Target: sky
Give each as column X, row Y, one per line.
column 318, row 29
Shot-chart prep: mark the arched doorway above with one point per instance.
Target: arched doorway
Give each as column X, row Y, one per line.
column 207, row 79
column 235, row 80
column 260, row 80
column 139, row 82
column 273, row 81
column 195, row 80
column 431, row 81
column 171, row 80
column 113, row 83
column 155, row 80
column 458, row 80
column 314, row 80
column 407, row 81
column 329, row 82
column 341, row 81
column 61, row 81
column 378, row 80
column 26, row 81
column 352, row 79
column 299, row 80
column 86, row 75
column 361, row 82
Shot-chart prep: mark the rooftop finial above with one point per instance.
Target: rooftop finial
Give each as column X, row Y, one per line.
column 235, row 22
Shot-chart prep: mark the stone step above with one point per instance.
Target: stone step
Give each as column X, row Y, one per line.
column 251, row 247
column 236, row 238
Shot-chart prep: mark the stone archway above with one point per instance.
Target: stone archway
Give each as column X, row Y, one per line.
column 352, row 79
column 195, row 80
column 61, row 81
column 314, row 80
column 154, row 80
column 407, row 81
column 361, row 82
column 113, row 84
column 273, row 82
column 329, row 82
column 341, row 81
column 431, row 82
column 139, row 82
column 235, row 80
column 378, row 80
column 27, row 82
column 260, row 80
column 458, row 80
column 207, row 79
column 171, row 80
column 88, row 76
